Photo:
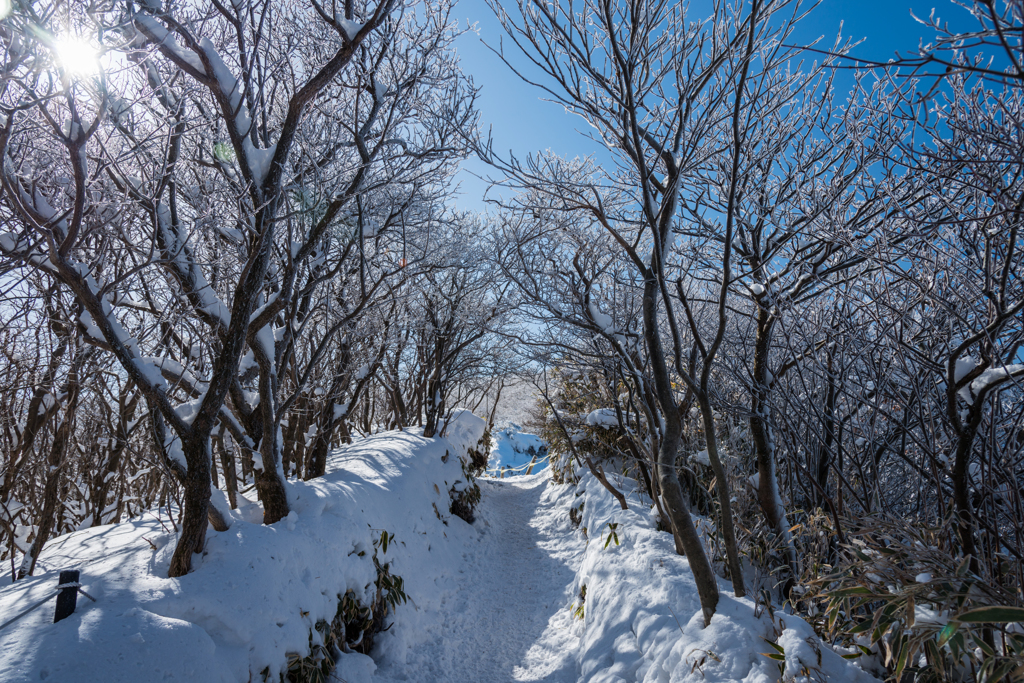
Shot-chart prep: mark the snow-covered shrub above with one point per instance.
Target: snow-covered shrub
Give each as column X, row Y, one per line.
column 464, row 496
column 579, row 608
column 584, row 422
column 354, row 625
column 900, row 598
column 576, row 513
column 280, row 599
column 478, row 455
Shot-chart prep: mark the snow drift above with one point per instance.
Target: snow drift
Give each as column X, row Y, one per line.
column 513, row 451
column 640, row 617
column 257, row 591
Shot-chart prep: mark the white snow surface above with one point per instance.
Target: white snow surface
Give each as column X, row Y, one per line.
column 603, row 417
column 511, row 448
column 255, row 593
column 963, row 367
column 502, row 615
column 602, row 320
column 350, row 27
column 491, row 602
column 642, row 619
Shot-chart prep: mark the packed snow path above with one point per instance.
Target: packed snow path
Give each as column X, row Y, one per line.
column 505, row 615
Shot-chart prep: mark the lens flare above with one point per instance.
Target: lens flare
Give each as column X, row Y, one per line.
column 77, row 56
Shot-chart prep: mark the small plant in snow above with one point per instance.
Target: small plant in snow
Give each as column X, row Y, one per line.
column 466, row 494
column 390, row 587
column 576, row 515
column 354, row 624
column 613, row 534
column 478, row 456
column 577, row 609
column 315, row 667
column 903, row 596
column 699, row 662
column 779, row 655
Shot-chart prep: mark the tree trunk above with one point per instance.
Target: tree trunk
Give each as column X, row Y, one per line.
column 961, row 487
column 682, row 524
column 120, row 438
column 316, row 463
column 724, row 496
column 34, row 422
column 271, row 491
column 55, row 462
column 675, row 504
column 434, row 404
column 764, row 449
column 196, row 502
column 227, row 465
column 28, row 564
column 269, row 480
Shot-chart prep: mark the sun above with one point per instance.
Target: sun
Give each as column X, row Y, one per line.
column 77, row 56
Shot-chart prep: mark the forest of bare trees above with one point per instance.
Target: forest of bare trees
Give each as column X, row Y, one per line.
column 802, row 302
column 792, row 274
column 225, row 252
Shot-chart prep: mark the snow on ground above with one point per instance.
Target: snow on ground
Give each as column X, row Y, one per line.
column 642, row 619
column 493, row 602
column 511, row 449
column 504, row 615
column 510, row 611
column 257, row 591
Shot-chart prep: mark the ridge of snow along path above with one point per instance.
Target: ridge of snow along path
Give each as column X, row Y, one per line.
column 504, row 615
column 498, row 601
column 511, row 612
column 257, row 591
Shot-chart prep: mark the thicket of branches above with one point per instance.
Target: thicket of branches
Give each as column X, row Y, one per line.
column 227, row 247
column 795, row 307
column 792, row 307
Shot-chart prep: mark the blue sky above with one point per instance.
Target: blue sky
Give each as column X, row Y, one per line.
column 522, row 122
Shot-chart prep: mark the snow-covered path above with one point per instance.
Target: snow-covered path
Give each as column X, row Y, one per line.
column 504, row 617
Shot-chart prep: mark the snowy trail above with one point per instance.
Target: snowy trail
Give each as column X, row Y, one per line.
column 504, row 617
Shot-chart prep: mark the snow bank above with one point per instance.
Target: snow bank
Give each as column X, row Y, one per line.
column 641, row 618
column 511, row 449
column 463, row 430
column 257, row 591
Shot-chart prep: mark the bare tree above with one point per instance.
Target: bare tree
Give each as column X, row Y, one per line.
column 660, row 88
column 107, row 188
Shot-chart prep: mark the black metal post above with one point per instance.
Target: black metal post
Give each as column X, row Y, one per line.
column 68, row 596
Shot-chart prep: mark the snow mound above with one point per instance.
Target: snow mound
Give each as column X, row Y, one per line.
column 515, row 450
column 641, row 617
column 604, row 418
column 257, row 591
column 463, row 430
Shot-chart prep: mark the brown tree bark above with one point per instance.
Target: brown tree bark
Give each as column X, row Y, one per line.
column 55, row 465
column 668, row 478
column 767, row 481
